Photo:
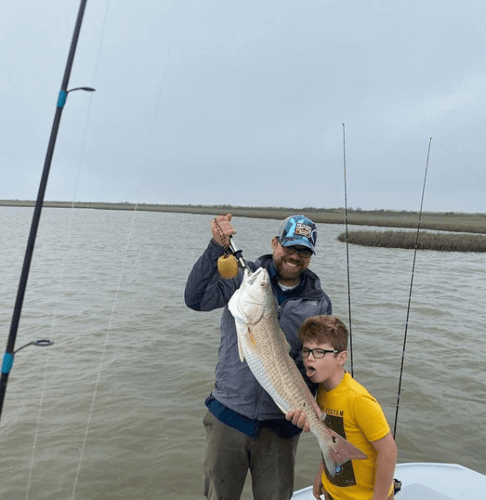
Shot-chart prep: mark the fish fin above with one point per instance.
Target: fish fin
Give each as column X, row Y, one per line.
column 240, row 332
column 240, row 352
column 338, row 451
column 313, row 403
column 240, row 323
column 284, row 339
column 233, row 307
column 288, row 345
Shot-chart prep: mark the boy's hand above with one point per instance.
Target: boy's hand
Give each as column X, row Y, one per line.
column 297, row 417
column 318, row 487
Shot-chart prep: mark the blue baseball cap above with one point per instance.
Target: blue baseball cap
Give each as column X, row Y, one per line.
column 298, row 230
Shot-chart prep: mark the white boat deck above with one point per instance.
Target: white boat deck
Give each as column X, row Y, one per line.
column 430, row 481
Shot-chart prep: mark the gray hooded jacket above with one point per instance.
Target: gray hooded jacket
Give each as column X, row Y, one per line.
column 235, row 386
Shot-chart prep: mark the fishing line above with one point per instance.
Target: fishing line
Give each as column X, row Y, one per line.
column 107, row 336
column 410, row 294
column 347, row 253
column 473, row 180
column 164, row 68
column 57, row 302
column 68, row 240
column 64, row 265
column 37, row 426
column 115, row 301
column 88, row 113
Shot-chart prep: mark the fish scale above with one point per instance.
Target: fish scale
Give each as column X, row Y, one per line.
column 263, row 345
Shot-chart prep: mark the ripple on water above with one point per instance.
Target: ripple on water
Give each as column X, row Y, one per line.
column 131, row 364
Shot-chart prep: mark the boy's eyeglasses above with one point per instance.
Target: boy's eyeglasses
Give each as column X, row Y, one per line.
column 303, row 252
column 317, row 353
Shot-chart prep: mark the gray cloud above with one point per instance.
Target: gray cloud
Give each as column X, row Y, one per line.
column 211, row 101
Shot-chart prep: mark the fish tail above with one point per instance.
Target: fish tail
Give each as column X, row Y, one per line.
column 337, row 451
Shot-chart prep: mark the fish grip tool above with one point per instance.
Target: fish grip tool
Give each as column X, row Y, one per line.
column 232, row 258
column 229, row 262
column 238, row 254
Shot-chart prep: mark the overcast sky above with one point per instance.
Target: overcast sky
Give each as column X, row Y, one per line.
column 242, row 102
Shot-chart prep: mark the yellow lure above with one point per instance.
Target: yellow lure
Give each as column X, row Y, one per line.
column 227, row 266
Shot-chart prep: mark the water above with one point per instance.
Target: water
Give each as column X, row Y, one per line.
column 113, row 409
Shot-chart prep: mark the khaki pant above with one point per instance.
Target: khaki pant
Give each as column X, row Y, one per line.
column 230, row 454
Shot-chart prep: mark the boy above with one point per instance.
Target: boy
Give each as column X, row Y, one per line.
column 350, row 411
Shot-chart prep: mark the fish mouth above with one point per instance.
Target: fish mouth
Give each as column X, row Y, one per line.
column 257, row 275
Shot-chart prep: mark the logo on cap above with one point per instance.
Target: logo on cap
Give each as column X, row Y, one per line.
column 303, row 230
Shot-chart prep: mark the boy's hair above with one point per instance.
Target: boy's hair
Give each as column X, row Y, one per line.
column 325, row 330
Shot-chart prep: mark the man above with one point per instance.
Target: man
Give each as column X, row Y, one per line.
column 245, row 430
column 351, row 411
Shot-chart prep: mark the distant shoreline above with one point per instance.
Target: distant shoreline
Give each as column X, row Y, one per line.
column 440, row 221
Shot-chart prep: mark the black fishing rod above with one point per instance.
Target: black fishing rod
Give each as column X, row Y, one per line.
column 347, row 253
column 410, row 294
column 8, row 357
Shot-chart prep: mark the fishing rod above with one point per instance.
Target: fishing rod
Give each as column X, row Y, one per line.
column 8, row 357
column 410, row 294
column 347, row 253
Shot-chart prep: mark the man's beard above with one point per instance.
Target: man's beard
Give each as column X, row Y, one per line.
column 285, row 272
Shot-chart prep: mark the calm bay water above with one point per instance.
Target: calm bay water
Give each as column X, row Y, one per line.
column 113, row 409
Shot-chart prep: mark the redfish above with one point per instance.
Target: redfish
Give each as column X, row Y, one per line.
column 263, row 345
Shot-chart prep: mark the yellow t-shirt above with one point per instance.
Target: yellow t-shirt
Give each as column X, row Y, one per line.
column 356, row 415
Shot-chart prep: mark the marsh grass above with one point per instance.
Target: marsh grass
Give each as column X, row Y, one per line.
column 441, row 242
column 437, row 221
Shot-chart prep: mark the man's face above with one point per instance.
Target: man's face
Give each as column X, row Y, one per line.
column 289, row 262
